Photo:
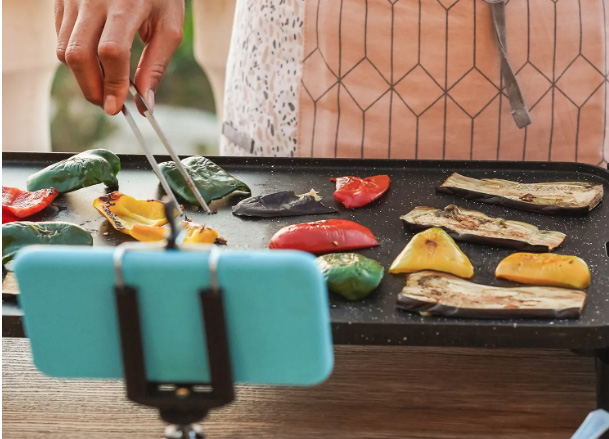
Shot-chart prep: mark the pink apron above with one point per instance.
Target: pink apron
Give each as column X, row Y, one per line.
column 422, row 79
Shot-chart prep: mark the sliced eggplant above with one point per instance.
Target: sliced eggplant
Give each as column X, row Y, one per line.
column 576, row 198
column 432, row 293
column 285, row 203
column 473, row 226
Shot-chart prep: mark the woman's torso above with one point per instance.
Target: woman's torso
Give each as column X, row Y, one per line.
column 416, row 79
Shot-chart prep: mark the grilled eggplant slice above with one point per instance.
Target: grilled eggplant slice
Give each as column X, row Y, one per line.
column 473, row 226
column 575, row 198
column 431, row 293
column 284, row 203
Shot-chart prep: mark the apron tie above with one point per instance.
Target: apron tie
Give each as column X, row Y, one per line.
column 520, row 112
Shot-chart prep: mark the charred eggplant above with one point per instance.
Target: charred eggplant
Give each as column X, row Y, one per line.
column 285, row 203
column 473, row 226
column 575, row 198
column 430, row 293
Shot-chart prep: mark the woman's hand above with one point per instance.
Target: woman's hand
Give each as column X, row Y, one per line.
column 90, row 32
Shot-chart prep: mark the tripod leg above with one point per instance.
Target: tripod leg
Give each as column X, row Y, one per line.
column 191, row 431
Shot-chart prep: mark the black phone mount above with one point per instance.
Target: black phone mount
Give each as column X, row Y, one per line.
column 180, row 404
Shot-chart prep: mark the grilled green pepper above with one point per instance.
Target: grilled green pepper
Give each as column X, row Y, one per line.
column 81, row 170
column 351, row 275
column 20, row 234
column 212, row 181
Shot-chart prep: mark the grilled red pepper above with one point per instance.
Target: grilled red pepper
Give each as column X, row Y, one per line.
column 357, row 192
column 8, row 217
column 323, row 237
column 20, row 204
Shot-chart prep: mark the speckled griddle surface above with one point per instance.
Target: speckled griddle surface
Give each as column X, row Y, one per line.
column 376, row 319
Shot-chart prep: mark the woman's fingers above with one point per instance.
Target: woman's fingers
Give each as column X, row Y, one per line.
column 90, row 33
column 58, row 15
column 114, row 52
column 66, row 13
column 162, row 39
column 81, row 54
column 154, row 61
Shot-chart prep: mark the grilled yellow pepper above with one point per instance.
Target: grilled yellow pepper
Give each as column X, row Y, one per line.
column 433, row 249
column 141, row 219
column 195, row 233
column 144, row 219
column 545, row 269
column 198, row 234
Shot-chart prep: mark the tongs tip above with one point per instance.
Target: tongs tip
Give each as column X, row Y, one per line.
column 157, row 129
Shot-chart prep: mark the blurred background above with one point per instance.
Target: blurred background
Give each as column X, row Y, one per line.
column 45, row 110
column 184, row 107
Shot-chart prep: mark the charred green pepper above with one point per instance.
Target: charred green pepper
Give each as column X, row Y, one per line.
column 20, row 234
column 351, row 275
column 81, row 170
column 212, row 181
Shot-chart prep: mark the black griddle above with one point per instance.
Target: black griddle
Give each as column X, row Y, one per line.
column 374, row 320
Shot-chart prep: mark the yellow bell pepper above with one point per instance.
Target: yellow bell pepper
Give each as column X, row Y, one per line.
column 148, row 233
column 144, row 219
column 141, row 219
column 545, row 269
column 195, row 233
column 433, row 249
column 198, row 234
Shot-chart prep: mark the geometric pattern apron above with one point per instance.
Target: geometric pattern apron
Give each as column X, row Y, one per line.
column 416, row 79
column 422, row 79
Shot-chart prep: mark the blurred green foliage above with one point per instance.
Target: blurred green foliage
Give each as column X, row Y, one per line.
column 77, row 125
column 185, row 84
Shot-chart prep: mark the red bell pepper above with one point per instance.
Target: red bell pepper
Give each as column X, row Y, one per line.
column 357, row 192
column 8, row 217
column 324, row 236
column 17, row 204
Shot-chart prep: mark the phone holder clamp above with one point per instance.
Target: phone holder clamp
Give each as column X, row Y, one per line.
column 179, row 404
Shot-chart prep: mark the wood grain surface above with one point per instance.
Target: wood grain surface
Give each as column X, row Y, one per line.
column 9, row 284
column 374, row 392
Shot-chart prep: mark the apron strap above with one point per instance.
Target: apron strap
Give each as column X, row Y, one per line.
column 520, row 112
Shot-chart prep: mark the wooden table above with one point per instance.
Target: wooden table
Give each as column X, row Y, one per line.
column 374, row 392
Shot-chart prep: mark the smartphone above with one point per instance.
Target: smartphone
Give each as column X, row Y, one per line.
column 276, row 309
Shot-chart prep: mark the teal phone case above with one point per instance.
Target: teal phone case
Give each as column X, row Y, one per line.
column 275, row 302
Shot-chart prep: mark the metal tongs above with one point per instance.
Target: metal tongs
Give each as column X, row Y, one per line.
column 155, row 166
